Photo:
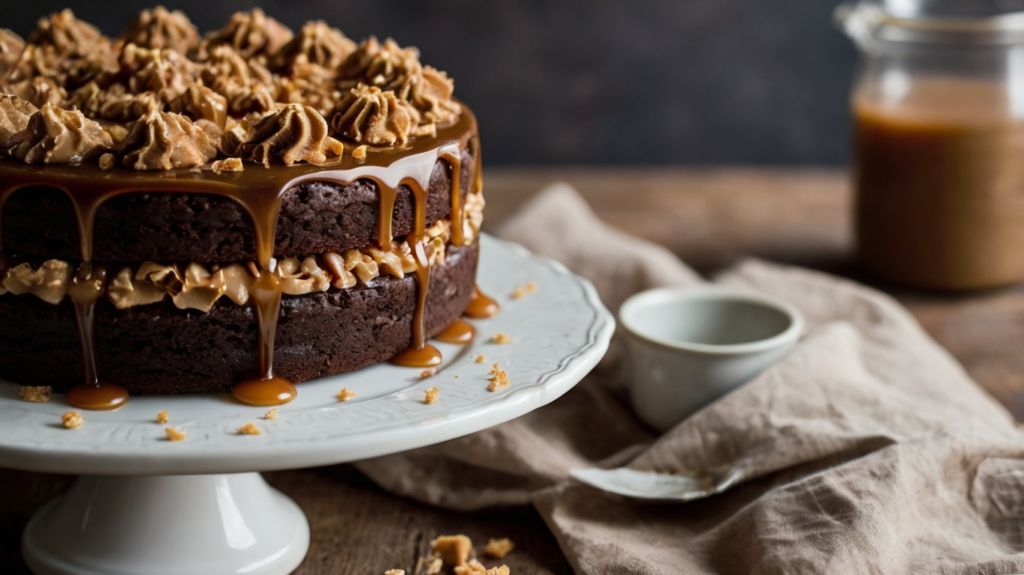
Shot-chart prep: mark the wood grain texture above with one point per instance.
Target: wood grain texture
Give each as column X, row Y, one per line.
column 710, row 218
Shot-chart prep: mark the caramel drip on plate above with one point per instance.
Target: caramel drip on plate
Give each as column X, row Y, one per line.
column 481, row 306
column 260, row 192
column 461, row 332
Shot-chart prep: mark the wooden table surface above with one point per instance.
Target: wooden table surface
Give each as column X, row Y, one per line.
column 710, row 218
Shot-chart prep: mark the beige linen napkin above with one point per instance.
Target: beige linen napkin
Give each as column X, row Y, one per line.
column 866, row 450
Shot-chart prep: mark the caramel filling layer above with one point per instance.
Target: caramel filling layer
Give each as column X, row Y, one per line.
column 198, row 287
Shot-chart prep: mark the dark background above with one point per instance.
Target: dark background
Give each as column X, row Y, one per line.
column 596, row 81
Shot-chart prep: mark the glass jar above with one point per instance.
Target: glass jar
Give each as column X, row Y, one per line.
column 938, row 108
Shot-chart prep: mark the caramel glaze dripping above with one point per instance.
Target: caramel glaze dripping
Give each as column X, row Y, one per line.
column 86, row 288
column 481, row 306
column 454, row 159
column 260, row 192
column 461, row 332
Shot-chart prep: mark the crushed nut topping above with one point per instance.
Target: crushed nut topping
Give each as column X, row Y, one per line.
column 346, row 394
column 174, row 434
column 501, row 338
column 72, row 420
column 269, row 90
column 271, row 415
column 162, row 417
column 431, row 396
column 499, row 548
column 428, row 373
column 35, row 393
column 480, row 359
column 249, row 429
column 360, row 152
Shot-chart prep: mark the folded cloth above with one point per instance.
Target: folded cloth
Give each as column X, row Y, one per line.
column 866, row 450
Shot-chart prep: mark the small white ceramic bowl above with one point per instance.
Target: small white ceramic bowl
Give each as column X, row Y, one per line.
column 686, row 347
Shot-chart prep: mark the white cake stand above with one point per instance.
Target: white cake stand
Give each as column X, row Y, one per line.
column 148, row 505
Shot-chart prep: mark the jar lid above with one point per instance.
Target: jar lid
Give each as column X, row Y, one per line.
column 935, row 21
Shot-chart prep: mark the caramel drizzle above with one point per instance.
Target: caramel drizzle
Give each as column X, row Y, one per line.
column 454, row 159
column 260, row 191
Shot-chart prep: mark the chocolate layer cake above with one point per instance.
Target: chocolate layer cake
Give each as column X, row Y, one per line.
column 236, row 211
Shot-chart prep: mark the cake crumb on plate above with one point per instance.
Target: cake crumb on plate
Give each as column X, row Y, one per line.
column 499, row 380
column 272, row 414
column 72, row 420
column 480, row 359
column 498, row 548
column 431, row 396
column 162, row 417
column 520, row 291
column 249, row 429
column 428, row 372
column 346, row 394
column 501, row 338
column 174, row 434
column 35, row 393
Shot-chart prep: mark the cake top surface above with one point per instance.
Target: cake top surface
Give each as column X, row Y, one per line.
column 161, row 96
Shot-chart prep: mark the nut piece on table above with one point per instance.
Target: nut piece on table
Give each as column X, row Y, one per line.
column 272, row 414
column 346, row 394
column 249, row 429
column 72, row 420
column 35, row 393
column 499, row 548
column 453, row 549
column 501, row 338
column 162, row 417
column 174, row 434
column 474, row 567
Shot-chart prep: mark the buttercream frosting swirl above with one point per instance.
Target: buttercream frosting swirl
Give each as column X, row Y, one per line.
column 14, row 115
column 251, row 34
column 368, row 115
column 252, row 71
column 292, row 134
column 165, row 140
column 58, row 136
column 160, row 28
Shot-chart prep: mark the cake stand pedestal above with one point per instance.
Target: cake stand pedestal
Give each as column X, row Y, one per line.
column 161, row 525
column 148, row 505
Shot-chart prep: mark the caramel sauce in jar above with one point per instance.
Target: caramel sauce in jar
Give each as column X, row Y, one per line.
column 939, row 178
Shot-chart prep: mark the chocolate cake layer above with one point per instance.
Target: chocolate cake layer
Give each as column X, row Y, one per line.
column 315, row 217
column 159, row 349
